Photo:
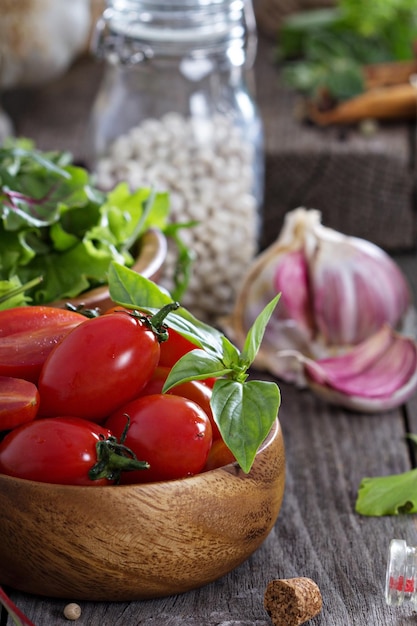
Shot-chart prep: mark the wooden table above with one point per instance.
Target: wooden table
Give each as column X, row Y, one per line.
column 328, row 450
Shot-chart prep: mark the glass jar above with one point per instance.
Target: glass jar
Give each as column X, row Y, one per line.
column 401, row 577
column 176, row 111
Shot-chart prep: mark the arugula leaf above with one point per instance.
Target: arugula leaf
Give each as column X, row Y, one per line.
column 243, row 410
column 55, row 224
column 388, row 495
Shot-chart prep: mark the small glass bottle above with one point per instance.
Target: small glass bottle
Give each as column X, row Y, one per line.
column 401, row 578
column 176, row 111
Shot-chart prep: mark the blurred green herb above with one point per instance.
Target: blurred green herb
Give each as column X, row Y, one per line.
column 325, row 49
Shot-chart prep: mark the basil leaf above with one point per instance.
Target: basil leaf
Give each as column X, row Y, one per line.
column 195, row 365
column 256, row 332
column 244, row 413
column 132, row 290
column 388, row 495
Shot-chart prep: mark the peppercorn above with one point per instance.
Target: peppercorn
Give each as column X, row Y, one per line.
column 72, row 611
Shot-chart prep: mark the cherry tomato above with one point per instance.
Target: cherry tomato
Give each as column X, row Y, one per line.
column 219, row 455
column 171, row 433
column 53, row 450
column 194, row 390
column 19, row 402
column 99, row 366
column 174, row 348
column 27, row 336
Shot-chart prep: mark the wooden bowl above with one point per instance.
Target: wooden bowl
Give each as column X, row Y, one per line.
column 149, row 262
column 131, row 542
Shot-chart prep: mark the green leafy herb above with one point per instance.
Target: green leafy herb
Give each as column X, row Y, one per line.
column 328, row 47
column 56, row 225
column 388, row 495
column 243, row 410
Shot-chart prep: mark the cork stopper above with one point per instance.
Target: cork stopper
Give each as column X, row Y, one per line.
column 293, row 601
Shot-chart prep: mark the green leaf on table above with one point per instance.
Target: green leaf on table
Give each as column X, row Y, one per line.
column 388, row 495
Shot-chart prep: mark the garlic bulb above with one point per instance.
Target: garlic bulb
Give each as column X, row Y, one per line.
column 40, row 38
column 337, row 293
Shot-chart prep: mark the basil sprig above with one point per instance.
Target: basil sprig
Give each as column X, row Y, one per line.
column 243, row 410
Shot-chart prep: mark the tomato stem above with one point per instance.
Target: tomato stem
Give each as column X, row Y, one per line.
column 113, row 457
column 157, row 321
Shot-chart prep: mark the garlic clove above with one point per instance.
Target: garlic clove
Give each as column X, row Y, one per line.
column 295, row 302
column 376, row 375
column 356, row 287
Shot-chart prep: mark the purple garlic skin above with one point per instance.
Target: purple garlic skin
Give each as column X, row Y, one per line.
column 355, row 288
column 381, row 372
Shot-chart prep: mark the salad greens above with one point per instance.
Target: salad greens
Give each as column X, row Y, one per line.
column 55, row 225
column 328, row 47
column 243, row 410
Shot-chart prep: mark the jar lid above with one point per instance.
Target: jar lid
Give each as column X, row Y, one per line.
column 176, row 21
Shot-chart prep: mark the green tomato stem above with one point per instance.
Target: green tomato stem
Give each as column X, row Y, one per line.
column 113, row 458
column 157, row 321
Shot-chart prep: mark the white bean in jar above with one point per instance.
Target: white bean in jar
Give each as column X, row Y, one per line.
column 207, row 168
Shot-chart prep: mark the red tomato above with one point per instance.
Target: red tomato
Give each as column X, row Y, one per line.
column 19, row 402
column 174, row 348
column 102, row 364
column 27, row 336
column 219, row 455
column 53, row 450
column 194, row 390
column 171, row 433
